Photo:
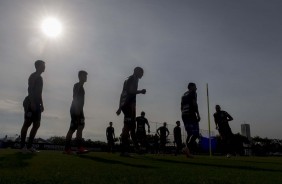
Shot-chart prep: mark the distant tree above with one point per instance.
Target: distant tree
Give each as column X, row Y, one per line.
column 57, row 140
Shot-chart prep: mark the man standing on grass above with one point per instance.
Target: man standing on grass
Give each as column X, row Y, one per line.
column 221, row 119
column 190, row 117
column 128, row 106
column 141, row 131
column 33, row 107
column 177, row 137
column 77, row 115
column 110, row 133
column 163, row 133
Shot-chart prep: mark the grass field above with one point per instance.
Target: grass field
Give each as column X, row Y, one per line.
column 55, row 167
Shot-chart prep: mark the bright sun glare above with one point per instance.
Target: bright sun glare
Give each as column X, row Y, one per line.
column 52, row 27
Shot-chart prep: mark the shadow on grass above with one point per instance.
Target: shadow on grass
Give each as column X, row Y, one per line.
column 16, row 160
column 107, row 161
column 249, row 168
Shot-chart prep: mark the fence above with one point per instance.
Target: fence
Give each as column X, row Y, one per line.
column 155, row 125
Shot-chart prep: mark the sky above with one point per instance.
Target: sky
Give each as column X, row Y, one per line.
column 233, row 46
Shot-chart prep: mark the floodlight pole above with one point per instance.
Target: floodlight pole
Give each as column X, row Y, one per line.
column 209, row 122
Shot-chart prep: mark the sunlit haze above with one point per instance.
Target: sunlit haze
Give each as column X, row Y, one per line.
column 52, row 27
column 234, row 46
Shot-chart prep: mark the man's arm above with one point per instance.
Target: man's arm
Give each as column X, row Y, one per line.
column 196, row 110
column 77, row 105
column 195, row 104
column 167, row 132
column 114, row 133
column 132, row 87
column 147, row 123
column 41, row 101
column 158, row 130
column 181, row 107
column 229, row 118
column 135, row 92
column 215, row 121
column 31, row 94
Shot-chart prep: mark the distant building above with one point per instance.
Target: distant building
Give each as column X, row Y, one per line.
column 246, row 130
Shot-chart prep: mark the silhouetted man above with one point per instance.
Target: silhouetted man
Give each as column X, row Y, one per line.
column 221, row 119
column 77, row 115
column 33, row 107
column 141, row 131
column 177, row 137
column 110, row 133
column 163, row 132
column 190, row 117
column 128, row 106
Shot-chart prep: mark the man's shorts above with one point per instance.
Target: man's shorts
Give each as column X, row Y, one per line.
column 225, row 132
column 163, row 140
column 129, row 112
column 141, row 135
column 29, row 115
column 77, row 121
column 191, row 126
column 110, row 139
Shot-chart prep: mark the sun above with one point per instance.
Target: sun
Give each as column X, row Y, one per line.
column 52, row 27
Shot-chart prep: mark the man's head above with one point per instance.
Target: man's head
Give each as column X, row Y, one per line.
column 138, row 71
column 164, row 124
column 82, row 76
column 192, row 86
column 39, row 66
column 142, row 113
column 111, row 123
column 178, row 123
column 217, row 108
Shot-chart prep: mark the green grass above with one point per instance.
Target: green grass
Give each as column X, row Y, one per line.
column 55, row 167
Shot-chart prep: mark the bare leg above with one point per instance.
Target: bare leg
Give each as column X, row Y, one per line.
column 25, row 127
column 68, row 139
column 32, row 133
column 79, row 135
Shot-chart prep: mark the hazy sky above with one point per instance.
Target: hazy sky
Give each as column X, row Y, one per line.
column 234, row 46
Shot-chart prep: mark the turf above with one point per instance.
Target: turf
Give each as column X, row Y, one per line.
column 55, row 167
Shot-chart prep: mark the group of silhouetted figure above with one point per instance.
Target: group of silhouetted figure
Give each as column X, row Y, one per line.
column 33, row 107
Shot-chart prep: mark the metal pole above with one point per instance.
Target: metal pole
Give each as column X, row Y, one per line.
column 209, row 124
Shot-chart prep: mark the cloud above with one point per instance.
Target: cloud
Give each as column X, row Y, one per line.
column 10, row 106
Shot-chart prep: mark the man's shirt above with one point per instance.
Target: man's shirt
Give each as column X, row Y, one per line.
column 78, row 97
column 141, row 121
column 110, row 132
column 221, row 119
column 131, row 84
column 163, row 131
column 177, row 133
column 189, row 105
column 35, row 87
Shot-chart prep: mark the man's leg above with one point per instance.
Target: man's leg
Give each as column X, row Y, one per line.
column 132, row 125
column 33, row 132
column 127, row 128
column 125, row 137
column 24, row 129
column 68, row 139
column 133, row 134
column 79, row 135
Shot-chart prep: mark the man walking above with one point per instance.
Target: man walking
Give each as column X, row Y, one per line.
column 128, row 106
column 33, row 107
column 163, row 132
column 110, row 133
column 141, row 131
column 77, row 115
column 221, row 119
column 190, row 117
column 177, row 137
